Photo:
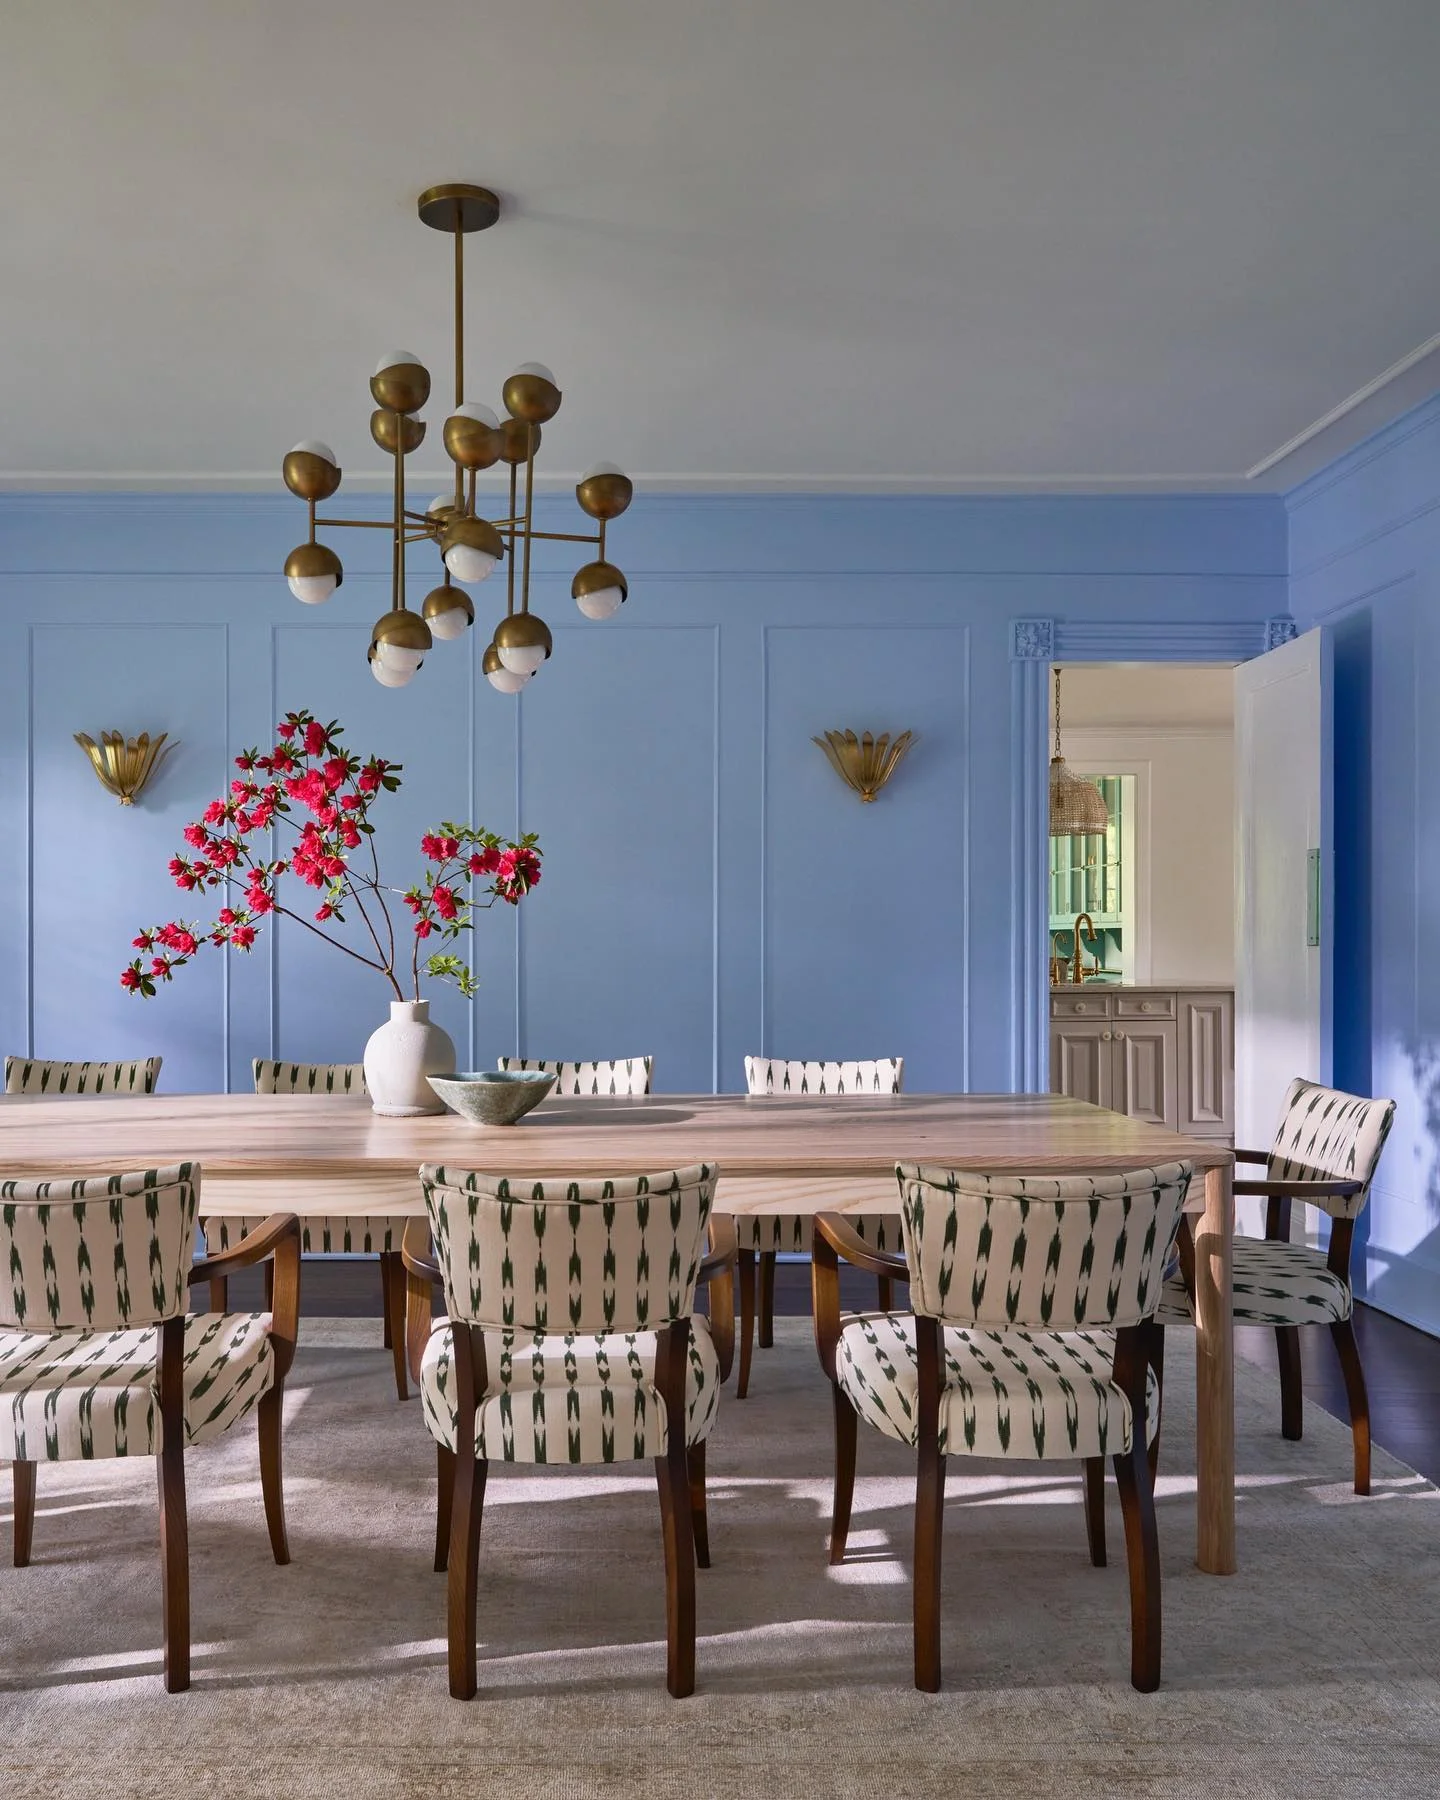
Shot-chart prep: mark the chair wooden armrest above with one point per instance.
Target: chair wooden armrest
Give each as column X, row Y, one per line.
column 842, row 1237
column 277, row 1239
column 422, row 1277
column 720, row 1259
column 717, row 1271
column 418, row 1255
column 833, row 1238
column 1300, row 1190
column 1252, row 1156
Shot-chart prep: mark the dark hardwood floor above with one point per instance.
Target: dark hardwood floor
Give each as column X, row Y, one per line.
column 1402, row 1365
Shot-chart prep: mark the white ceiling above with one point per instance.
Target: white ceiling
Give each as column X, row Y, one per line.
column 795, row 243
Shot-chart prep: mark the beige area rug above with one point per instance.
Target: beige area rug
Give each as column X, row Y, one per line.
column 1313, row 1672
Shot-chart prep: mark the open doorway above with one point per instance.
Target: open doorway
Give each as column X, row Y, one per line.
column 1142, row 915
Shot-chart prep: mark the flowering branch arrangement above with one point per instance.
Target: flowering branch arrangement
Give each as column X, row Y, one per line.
column 310, row 771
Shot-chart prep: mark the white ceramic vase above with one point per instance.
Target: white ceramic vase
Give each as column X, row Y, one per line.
column 400, row 1055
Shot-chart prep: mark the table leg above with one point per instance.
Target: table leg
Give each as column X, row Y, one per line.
column 1215, row 1377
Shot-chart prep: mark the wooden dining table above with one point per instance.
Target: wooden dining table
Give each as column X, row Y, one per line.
column 329, row 1154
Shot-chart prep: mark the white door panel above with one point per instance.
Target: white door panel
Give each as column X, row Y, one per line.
column 1283, row 881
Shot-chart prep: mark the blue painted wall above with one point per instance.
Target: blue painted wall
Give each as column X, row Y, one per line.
column 711, row 888
column 1365, row 560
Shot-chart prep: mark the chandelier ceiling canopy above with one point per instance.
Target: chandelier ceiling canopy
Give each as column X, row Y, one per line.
column 470, row 545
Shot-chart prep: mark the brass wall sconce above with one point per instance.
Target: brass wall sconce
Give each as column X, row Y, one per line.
column 865, row 763
column 123, row 764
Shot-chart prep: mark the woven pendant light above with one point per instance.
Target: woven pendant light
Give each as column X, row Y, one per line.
column 1077, row 808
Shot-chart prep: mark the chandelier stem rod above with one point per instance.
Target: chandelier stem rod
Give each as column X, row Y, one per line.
column 460, row 341
column 312, row 521
column 510, row 571
column 397, row 565
column 358, row 524
column 529, row 499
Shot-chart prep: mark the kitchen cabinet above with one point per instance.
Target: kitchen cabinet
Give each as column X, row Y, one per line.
column 1165, row 1055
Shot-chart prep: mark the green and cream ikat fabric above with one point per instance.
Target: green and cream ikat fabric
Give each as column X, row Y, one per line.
column 103, row 1254
column 571, row 1281
column 790, row 1232
column 26, row 1075
column 307, row 1078
column 335, row 1234
column 1022, row 1394
column 81, row 1395
column 1274, row 1284
column 1044, row 1252
column 618, row 1254
column 559, row 1398
column 628, row 1075
column 773, row 1075
column 88, row 1270
column 1324, row 1133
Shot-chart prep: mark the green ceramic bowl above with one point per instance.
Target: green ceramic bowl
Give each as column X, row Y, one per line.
column 491, row 1096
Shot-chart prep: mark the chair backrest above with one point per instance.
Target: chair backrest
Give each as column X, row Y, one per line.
column 1323, row 1132
column 101, row 1254
column 773, row 1075
column 308, row 1078
column 26, row 1075
column 628, row 1075
column 1049, row 1252
column 615, row 1254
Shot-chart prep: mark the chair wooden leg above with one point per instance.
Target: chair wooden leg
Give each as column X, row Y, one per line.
column 929, row 1534
column 846, row 1428
column 269, row 1418
column 219, row 1293
column 673, row 1480
column 174, row 1562
column 1142, row 1553
column 699, row 1517
column 766, row 1334
column 745, row 1260
column 1343, row 1332
column 469, row 1501
column 886, row 1292
column 1157, row 1363
column 1292, row 1400
column 1094, row 1486
column 393, row 1282
column 444, row 1497
column 23, row 1476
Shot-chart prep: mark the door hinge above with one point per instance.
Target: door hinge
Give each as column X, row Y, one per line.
column 1312, row 899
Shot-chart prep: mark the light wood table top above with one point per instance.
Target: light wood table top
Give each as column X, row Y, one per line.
column 305, row 1136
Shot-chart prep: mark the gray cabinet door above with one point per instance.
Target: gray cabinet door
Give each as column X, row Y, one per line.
column 1143, row 1080
column 1207, row 1064
column 1080, row 1060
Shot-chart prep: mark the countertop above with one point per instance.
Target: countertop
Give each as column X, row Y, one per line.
column 1144, row 987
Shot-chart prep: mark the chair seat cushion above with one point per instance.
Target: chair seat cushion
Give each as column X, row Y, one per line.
column 793, row 1232
column 77, row 1395
column 553, row 1398
column 359, row 1235
column 1031, row 1395
column 1275, row 1284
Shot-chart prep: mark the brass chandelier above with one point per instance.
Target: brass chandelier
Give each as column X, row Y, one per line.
column 470, row 546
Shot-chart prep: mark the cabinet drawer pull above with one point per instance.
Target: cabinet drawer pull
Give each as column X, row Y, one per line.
column 1104, row 1037
column 1119, row 1037
column 1080, row 1006
column 1146, row 1006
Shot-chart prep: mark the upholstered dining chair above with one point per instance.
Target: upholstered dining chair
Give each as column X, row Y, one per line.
column 1030, row 1339
column 765, row 1234
column 99, row 1356
column 569, row 1338
column 1326, row 1151
column 627, row 1075
column 28, row 1075
column 329, row 1234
